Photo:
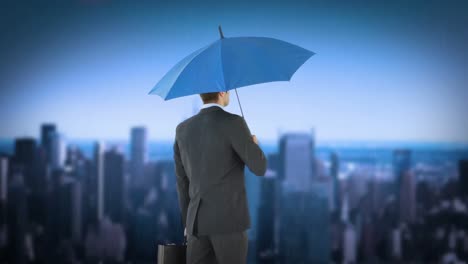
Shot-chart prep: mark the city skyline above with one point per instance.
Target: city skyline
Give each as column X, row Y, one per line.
column 130, row 199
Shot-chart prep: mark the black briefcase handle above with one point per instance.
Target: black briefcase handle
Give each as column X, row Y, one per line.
column 172, row 254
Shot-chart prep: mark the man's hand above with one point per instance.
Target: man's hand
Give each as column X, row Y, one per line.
column 255, row 139
column 185, row 232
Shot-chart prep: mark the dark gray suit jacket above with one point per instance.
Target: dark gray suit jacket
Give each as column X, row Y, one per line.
column 211, row 150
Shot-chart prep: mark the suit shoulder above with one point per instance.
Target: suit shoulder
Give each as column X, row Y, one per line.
column 233, row 117
column 186, row 121
column 182, row 124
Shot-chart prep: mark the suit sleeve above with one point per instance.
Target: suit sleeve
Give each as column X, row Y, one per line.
column 182, row 183
column 249, row 152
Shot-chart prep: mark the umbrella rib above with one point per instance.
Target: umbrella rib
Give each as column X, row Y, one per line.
column 187, row 64
column 221, row 62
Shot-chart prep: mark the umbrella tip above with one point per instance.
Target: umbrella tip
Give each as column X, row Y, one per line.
column 220, row 32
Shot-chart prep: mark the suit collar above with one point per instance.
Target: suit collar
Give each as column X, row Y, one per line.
column 210, row 109
column 211, row 104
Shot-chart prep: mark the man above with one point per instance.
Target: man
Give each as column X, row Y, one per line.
column 211, row 150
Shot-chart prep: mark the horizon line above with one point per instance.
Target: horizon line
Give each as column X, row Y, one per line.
column 274, row 141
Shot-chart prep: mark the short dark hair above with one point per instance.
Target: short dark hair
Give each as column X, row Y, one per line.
column 209, row 97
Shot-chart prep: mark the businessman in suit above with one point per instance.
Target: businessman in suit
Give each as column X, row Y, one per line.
column 211, row 150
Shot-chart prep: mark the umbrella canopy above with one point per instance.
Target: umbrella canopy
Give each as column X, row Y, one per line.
column 230, row 63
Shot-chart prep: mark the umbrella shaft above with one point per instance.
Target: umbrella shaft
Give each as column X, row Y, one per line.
column 239, row 102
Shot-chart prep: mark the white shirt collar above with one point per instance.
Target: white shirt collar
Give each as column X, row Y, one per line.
column 211, row 104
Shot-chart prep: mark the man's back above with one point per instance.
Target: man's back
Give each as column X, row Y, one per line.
column 210, row 151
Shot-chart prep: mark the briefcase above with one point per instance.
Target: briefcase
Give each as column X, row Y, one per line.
column 172, row 254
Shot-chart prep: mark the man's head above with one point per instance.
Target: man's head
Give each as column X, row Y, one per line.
column 221, row 98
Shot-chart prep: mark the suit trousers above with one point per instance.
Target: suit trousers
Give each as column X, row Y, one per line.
column 220, row 248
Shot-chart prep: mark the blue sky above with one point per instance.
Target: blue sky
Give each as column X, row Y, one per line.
column 380, row 73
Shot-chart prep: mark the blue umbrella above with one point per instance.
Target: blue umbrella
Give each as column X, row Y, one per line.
column 231, row 63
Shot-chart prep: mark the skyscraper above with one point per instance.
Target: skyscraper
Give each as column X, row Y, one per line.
column 99, row 178
column 37, row 183
column 463, row 177
column 357, row 187
column 304, row 230
column 273, row 162
column 304, row 203
column 166, row 205
column 64, row 208
column 17, row 217
column 3, row 192
column 25, row 151
column 53, row 230
column 266, row 246
column 334, row 170
column 24, row 159
column 349, row 244
column 296, row 161
column 70, row 209
column 58, row 150
column 408, row 197
column 114, row 185
column 138, row 154
column 252, row 189
column 319, row 238
column 3, row 179
column 47, row 130
column 165, row 172
column 405, row 193
column 401, row 163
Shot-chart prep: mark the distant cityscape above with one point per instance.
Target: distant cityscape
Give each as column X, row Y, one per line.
column 114, row 202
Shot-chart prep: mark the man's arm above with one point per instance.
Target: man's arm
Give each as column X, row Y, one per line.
column 182, row 183
column 249, row 152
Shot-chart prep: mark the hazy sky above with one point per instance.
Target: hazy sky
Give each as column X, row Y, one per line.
column 381, row 72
